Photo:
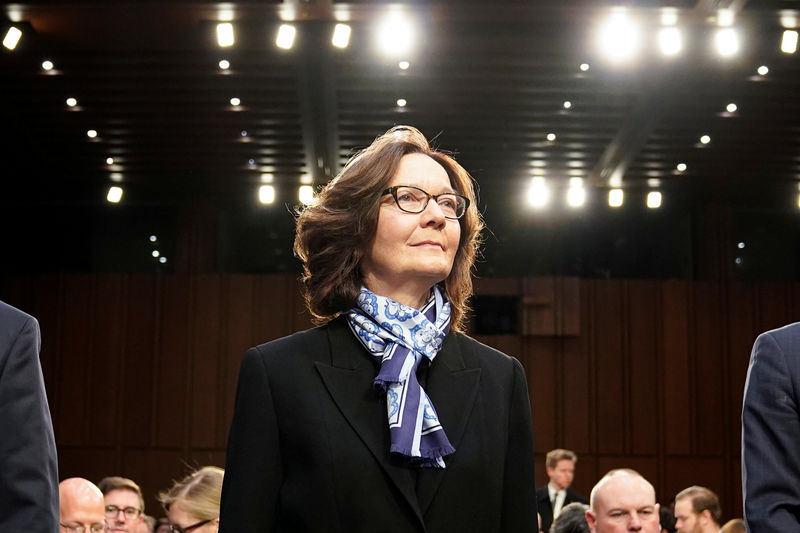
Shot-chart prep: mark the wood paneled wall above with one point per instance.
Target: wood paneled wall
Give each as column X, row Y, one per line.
column 141, row 369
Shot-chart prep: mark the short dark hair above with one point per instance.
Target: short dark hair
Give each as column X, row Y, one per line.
column 107, row 484
column 702, row 499
column 334, row 232
column 571, row 519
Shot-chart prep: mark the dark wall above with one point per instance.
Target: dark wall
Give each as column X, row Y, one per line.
column 141, row 369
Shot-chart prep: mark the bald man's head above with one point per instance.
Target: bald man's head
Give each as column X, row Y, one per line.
column 81, row 503
column 623, row 501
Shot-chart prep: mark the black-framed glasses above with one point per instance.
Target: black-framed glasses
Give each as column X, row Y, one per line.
column 80, row 528
column 130, row 512
column 178, row 529
column 415, row 200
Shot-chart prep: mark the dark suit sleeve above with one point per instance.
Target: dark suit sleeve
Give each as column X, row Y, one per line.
column 519, row 491
column 771, row 439
column 253, row 470
column 28, row 460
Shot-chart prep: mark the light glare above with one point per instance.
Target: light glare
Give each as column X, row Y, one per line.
column 681, row 167
column 789, row 42
column 727, row 42
column 72, row 102
column 654, row 199
column 404, row 65
column 551, row 137
column 91, row 134
column 401, row 102
column 763, row 70
column 266, row 194
column 285, row 38
column 731, row 108
column 47, row 65
column 235, row 101
column 395, row 34
column 12, row 37
column 114, row 194
column 224, row 64
column 538, row 192
column 306, row 194
column 567, row 104
column 225, row 34
column 670, row 41
column 619, row 38
column 576, row 194
column 615, row 197
column 109, row 160
column 341, row 36
column 584, row 67
column 705, row 139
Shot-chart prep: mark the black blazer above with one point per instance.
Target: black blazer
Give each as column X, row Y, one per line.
column 771, row 433
column 308, row 448
column 28, row 461
column 545, row 506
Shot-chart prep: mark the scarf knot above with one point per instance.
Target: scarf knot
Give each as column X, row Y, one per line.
column 402, row 336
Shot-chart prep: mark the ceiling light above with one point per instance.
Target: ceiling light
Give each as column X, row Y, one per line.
column 224, row 64
column 401, row 102
column 12, row 37
column 109, row 160
column 576, row 194
column 285, row 38
column 705, row 139
column 740, row 245
column 162, row 259
column 731, row 108
column 538, row 192
column 341, row 36
column 116, row 177
column 669, row 16
column 615, row 197
column 725, row 17
column 789, row 42
column 91, row 134
column 404, row 65
column 267, row 178
column 266, row 194
column 763, row 70
column 305, row 194
column 567, row 104
column 155, row 253
column 727, row 42
column 47, row 65
column 654, row 199
column 114, row 194
column 551, row 137
column 395, row 34
column 584, row 67
column 153, row 238
column 72, row 102
column 619, row 37
column 681, row 167
column 235, row 101
column 225, row 34
column 670, row 41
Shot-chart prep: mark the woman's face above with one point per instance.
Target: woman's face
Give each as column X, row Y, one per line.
column 178, row 516
column 411, row 252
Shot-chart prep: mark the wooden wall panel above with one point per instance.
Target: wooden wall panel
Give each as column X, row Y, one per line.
column 541, row 354
column 676, row 371
column 708, row 370
column 741, row 313
column 574, row 420
column 683, row 472
column 208, row 328
column 154, row 470
column 774, row 306
column 87, row 461
column 609, row 368
column 642, row 357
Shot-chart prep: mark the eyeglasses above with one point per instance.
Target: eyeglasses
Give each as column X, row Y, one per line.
column 178, row 529
column 130, row 512
column 415, row 200
column 80, row 528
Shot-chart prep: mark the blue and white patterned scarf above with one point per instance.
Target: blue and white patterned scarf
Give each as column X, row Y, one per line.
column 401, row 336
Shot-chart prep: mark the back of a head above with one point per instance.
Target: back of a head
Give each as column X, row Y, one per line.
column 702, row 499
column 571, row 519
column 734, row 526
column 199, row 493
column 109, row 483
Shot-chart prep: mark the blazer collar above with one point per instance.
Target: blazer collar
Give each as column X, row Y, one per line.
column 453, row 380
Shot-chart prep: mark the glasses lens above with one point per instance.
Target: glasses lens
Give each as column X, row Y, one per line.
column 131, row 512
column 111, row 511
column 452, row 205
column 411, row 199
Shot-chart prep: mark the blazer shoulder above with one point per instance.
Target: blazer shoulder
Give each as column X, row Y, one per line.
column 787, row 337
column 301, row 340
column 485, row 355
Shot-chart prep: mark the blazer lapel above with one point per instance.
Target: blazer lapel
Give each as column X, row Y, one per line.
column 453, row 381
column 348, row 380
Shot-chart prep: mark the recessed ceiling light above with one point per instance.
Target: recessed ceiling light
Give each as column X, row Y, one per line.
column 401, row 102
column 114, row 194
column 225, row 34
column 153, row 238
column 12, row 38
column 731, row 108
column 404, row 65
column 235, row 101
column 654, row 199
column 681, row 167
column 47, row 65
column 341, row 36
column 91, row 134
column 705, row 139
column 615, row 197
column 567, row 104
column 224, row 64
column 789, row 42
column 763, row 70
column 109, row 160
column 162, row 259
column 584, row 67
column 551, row 136
column 72, row 102
column 285, row 38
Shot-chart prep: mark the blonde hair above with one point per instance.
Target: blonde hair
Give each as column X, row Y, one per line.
column 199, row 493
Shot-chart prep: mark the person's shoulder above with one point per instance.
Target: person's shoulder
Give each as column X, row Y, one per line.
column 542, row 492
column 12, row 318
column 786, row 337
column 482, row 351
column 296, row 341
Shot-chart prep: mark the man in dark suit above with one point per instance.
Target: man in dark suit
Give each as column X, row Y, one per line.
column 771, row 433
column 554, row 496
column 28, row 460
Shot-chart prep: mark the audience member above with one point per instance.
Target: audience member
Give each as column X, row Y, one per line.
column 770, row 433
column 666, row 514
column 192, row 503
column 697, row 510
column 550, row 499
column 623, row 501
column 81, row 506
column 734, row 526
column 147, row 525
column 571, row 519
column 124, row 503
column 162, row 526
column 28, row 461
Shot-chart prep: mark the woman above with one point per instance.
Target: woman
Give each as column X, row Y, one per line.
column 192, row 504
column 387, row 417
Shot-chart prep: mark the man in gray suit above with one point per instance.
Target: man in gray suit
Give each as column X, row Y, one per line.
column 28, row 460
column 771, row 433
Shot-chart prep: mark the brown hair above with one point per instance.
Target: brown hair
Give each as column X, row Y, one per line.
column 702, row 499
column 199, row 493
column 334, row 232
column 107, row 484
column 554, row 456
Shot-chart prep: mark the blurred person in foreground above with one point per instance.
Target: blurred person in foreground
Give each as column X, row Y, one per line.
column 387, row 417
column 192, row 503
column 571, row 519
column 623, row 501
